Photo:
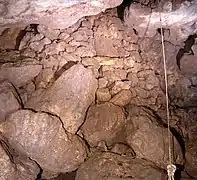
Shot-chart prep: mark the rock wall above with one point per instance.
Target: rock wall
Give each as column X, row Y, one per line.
column 88, row 102
column 58, row 14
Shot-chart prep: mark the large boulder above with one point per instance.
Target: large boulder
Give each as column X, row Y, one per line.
column 42, row 138
column 55, row 14
column 104, row 122
column 191, row 159
column 9, row 100
column 20, row 75
column 110, row 166
column 69, row 97
column 149, row 139
column 13, row 168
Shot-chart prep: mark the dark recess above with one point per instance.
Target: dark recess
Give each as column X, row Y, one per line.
column 120, row 9
column 186, row 49
column 32, row 28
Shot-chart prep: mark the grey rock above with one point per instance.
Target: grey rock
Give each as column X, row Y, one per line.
column 54, row 14
column 42, row 138
column 69, row 97
column 149, row 139
column 9, row 100
column 104, row 122
column 19, row 76
column 110, row 166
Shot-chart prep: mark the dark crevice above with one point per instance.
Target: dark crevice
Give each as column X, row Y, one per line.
column 179, row 169
column 52, row 115
column 67, row 176
column 31, row 28
column 121, row 8
column 63, row 69
column 172, row 129
column 187, row 49
column 39, row 175
column 135, row 32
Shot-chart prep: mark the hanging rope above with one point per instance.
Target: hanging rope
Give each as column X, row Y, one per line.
column 171, row 168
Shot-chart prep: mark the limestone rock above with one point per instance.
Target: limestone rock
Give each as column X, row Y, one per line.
column 38, row 46
column 19, row 76
column 138, row 17
column 7, row 170
column 54, row 14
column 122, row 149
column 9, row 100
column 69, row 97
column 191, row 159
column 105, row 47
column 103, row 95
column 8, row 38
column 23, row 169
column 120, row 85
column 149, row 139
column 103, row 123
column 55, row 48
column 188, row 65
column 122, row 98
column 48, row 32
column 109, row 166
column 42, row 138
column 102, row 82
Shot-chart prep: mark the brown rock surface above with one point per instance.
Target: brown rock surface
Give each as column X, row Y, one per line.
column 42, row 138
column 51, row 13
column 103, row 95
column 9, row 100
column 109, row 166
column 19, row 76
column 103, row 123
column 122, row 98
column 149, row 139
column 13, row 168
column 69, row 97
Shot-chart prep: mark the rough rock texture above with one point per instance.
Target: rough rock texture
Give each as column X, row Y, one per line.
column 149, row 139
column 122, row 98
column 191, row 160
column 9, row 99
column 109, row 166
column 16, row 169
column 20, row 75
column 103, row 122
column 51, row 13
column 69, row 97
column 146, row 22
column 129, row 68
column 42, row 138
column 103, row 95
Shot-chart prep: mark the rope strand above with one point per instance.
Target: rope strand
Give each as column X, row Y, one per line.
column 166, row 94
column 170, row 168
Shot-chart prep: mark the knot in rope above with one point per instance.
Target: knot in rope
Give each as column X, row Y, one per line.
column 171, row 168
